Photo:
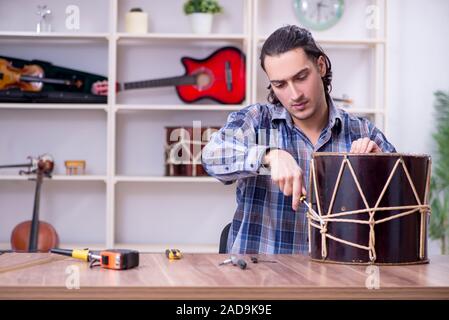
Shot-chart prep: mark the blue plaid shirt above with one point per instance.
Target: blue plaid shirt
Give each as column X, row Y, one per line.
column 264, row 220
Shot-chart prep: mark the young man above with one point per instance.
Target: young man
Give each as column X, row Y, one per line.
column 267, row 147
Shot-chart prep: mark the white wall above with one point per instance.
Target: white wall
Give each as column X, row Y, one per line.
column 418, row 66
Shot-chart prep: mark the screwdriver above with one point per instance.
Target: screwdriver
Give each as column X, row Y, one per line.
column 236, row 262
column 257, row 260
column 312, row 212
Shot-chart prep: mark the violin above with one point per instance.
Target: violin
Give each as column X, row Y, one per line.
column 28, row 78
column 34, row 235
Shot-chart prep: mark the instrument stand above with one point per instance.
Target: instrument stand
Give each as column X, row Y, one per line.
column 42, row 167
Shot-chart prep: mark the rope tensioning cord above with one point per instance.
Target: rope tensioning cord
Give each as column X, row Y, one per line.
column 324, row 219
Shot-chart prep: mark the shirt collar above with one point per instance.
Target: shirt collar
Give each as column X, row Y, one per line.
column 279, row 112
column 335, row 116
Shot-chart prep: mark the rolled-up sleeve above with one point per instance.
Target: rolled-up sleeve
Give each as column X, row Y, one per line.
column 233, row 152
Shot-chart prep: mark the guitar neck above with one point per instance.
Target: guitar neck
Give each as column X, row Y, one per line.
column 46, row 80
column 164, row 82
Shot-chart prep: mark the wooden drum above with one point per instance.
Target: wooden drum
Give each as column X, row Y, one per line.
column 369, row 208
column 183, row 150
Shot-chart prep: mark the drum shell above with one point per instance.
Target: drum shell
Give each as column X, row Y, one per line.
column 397, row 241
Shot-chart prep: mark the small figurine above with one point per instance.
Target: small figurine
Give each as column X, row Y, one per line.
column 43, row 25
column 75, row 167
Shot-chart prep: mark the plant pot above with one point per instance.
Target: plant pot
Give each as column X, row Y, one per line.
column 201, row 22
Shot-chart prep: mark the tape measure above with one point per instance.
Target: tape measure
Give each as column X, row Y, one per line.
column 116, row 259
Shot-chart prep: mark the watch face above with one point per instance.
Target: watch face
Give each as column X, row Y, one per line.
column 318, row 14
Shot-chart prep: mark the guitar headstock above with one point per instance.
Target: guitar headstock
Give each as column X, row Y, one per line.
column 101, row 88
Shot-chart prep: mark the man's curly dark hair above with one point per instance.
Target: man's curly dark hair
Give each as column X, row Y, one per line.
column 291, row 37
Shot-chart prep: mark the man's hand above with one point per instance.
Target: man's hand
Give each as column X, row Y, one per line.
column 286, row 173
column 364, row 145
column 100, row 88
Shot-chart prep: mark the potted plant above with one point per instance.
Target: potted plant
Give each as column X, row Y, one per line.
column 201, row 14
column 439, row 220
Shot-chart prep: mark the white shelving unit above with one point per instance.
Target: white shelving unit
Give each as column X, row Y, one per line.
column 351, row 36
column 124, row 200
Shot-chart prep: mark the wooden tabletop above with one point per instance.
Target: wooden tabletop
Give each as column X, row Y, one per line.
column 198, row 276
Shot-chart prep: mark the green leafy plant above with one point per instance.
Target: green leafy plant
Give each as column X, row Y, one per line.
column 202, row 6
column 439, row 221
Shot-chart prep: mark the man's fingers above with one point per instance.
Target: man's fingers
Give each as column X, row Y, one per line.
column 371, row 147
column 297, row 186
column 288, row 186
column 286, row 173
column 376, row 148
column 355, row 146
column 100, row 88
column 281, row 183
column 364, row 145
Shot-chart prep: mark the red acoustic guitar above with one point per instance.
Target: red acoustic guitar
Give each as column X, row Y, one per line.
column 220, row 77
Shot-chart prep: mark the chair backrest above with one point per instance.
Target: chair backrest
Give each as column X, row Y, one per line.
column 224, row 239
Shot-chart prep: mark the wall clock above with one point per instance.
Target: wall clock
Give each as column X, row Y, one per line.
column 318, row 14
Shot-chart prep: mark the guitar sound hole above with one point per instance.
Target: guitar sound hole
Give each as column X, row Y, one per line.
column 203, row 80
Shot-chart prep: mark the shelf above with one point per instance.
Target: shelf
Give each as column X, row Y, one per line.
column 180, row 107
column 54, row 178
column 363, row 110
column 14, row 177
column 122, row 107
column 54, row 106
column 53, row 35
column 122, row 36
column 54, row 38
column 165, row 179
column 180, row 36
column 116, row 179
column 138, row 107
column 342, row 41
column 79, row 178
